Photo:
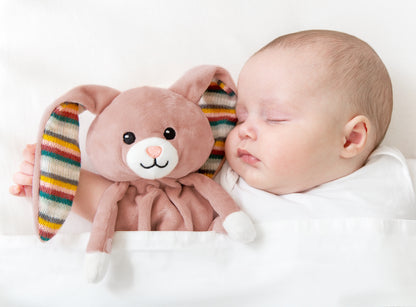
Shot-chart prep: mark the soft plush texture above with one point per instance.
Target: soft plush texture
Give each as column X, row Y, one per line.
column 48, row 47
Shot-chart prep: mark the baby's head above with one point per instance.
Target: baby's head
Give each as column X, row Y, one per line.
column 312, row 106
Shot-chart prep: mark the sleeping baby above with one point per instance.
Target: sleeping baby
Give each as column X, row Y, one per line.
column 313, row 108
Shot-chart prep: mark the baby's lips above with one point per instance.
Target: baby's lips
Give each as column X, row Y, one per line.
column 246, row 156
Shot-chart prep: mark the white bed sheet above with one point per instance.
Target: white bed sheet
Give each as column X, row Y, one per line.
column 358, row 262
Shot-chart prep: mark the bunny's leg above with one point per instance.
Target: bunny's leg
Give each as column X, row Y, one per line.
column 145, row 204
column 99, row 245
column 236, row 223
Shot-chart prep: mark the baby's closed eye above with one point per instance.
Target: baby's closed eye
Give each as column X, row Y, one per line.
column 274, row 116
column 276, row 120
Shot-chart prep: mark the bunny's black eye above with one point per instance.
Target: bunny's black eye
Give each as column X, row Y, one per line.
column 169, row 133
column 129, row 138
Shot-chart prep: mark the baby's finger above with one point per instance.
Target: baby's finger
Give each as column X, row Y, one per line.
column 26, row 168
column 17, row 190
column 22, row 179
column 29, row 153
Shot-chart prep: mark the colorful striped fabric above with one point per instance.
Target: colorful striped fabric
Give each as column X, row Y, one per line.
column 218, row 103
column 60, row 165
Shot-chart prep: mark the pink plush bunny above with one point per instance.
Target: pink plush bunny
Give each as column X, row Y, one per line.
column 150, row 142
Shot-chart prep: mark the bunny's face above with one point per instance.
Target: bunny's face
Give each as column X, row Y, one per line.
column 149, row 133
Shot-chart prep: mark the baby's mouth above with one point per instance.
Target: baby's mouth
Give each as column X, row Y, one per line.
column 247, row 157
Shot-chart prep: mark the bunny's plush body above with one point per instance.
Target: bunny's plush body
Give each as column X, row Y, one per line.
column 153, row 144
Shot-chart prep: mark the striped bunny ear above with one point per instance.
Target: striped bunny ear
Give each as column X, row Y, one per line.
column 60, row 165
column 214, row 90
column 58, row 156
column 218, row 103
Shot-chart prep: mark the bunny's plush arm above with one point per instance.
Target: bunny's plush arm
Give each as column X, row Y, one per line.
column 91, row 188
column 235, row 222
column 104, row 224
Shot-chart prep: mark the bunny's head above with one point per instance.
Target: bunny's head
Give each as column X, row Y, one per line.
column 149, row 133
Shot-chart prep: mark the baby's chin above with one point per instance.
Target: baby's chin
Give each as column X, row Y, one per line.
column 277, row 189
column 259, row 183
column 256, row 178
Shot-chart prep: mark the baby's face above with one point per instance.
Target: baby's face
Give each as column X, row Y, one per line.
column 289, row 134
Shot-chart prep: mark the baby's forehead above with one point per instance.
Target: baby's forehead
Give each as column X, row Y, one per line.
column 316, row 56
column 306, row 67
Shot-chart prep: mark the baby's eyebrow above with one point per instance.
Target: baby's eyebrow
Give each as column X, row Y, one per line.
column 275, row 105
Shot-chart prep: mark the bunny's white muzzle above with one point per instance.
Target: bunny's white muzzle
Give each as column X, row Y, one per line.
column 152, row 158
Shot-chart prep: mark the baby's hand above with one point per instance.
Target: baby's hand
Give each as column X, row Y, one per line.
column 23, row 178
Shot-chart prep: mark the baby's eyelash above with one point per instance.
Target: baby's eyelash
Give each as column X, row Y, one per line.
column 277, row 121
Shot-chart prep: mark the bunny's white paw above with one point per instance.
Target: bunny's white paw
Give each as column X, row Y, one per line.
column 240, row 227
column 95, row 266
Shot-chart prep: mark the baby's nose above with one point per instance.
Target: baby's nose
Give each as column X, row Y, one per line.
column 154, row 151
column 247, row 130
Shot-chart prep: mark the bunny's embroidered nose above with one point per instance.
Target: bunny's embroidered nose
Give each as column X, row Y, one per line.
column 154, row 151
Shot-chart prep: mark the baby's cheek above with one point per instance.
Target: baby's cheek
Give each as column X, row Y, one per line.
column 231, row 144
column 279, row 160
column 230, row 151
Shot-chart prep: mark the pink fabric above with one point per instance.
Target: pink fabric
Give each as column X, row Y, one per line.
column 194, row 203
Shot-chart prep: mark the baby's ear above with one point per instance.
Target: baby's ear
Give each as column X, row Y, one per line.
column 356, row 136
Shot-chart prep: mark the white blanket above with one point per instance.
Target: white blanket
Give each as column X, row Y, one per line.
column 48, row 47
column 354, row 262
